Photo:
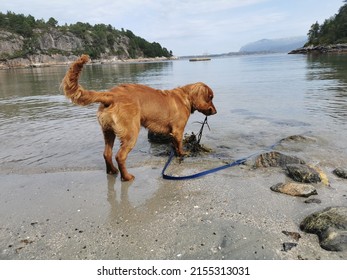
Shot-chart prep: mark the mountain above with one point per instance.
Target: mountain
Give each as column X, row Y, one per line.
column 275, row 45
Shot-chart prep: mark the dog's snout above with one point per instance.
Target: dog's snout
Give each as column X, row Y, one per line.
column 212, row 110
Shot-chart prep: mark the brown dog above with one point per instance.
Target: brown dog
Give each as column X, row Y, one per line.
column 124, row 108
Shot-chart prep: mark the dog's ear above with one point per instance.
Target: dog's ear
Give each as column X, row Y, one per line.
column 198, row 92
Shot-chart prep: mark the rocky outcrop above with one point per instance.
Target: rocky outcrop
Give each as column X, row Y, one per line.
column 320, row 49
column 52, row 47
column 10, row 43
column 56, row 47
column 57, row 40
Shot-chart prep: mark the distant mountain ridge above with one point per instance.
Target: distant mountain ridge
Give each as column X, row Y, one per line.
column 275, row 45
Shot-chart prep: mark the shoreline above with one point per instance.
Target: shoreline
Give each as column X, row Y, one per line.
column 321, row 49
column 41, row 61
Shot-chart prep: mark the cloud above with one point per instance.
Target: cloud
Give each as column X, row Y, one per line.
column 188, row 26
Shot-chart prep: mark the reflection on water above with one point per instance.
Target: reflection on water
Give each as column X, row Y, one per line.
column 30, row 82
column 260, row 99
column 328, row 91
column 132, row 202
column 101, row 77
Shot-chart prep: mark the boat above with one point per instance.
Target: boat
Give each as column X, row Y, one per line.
column 200, row 59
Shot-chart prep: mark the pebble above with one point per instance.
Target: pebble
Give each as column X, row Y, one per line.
column 288, row 246
column 313, row 200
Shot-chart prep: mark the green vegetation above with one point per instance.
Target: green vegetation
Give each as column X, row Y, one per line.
column 332, row 31
column 96, row 40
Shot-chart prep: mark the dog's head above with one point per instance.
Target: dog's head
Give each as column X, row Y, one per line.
column 201, row 96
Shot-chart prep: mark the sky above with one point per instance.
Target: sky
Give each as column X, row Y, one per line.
column 188, row 27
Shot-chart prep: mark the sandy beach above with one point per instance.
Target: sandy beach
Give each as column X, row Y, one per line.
column 232, row 214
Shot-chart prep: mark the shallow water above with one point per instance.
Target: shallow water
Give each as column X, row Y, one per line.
column 260, row 99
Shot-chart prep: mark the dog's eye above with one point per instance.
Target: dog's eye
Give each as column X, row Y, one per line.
column 210, row 97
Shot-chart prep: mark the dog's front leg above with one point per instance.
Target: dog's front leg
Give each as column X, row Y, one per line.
column 177, row 142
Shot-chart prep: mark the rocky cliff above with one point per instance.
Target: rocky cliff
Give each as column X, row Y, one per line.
column 52, row 47
column 12, row 46
column 25, row 41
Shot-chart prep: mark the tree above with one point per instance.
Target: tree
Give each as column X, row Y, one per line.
column 313, row 34
column 52, row 22
column 332, row 31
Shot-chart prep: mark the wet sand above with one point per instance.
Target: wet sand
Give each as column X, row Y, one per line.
column 231, row 214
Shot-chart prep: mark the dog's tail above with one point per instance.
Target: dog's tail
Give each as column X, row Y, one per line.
column 74, row 91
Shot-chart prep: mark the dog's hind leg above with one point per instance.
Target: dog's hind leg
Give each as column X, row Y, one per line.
column 128, row 142
column 109, row 137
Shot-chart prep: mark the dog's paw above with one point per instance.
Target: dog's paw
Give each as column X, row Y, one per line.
column 112, row 171
column 184, row 154
column 128, row 177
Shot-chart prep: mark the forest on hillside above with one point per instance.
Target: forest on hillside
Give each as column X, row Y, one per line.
column 97, row 39
column 331, row 31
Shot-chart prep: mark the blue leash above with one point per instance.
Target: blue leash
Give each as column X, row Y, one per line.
column 203, row 173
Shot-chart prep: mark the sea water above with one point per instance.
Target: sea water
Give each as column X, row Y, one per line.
column 260, row 99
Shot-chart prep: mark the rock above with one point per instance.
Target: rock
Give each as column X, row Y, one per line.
column 334, row 240
column 159, row 138
column 330, row 225
column 276, row 159
column 10, row 43
column 299, row 51
column 303, row 173
column 313, row 200
column 55, row 39
column 294, row 189
column 341, row 172
column 335, row 48
column 297, row 138
column 295, row 235
column 288, row 246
